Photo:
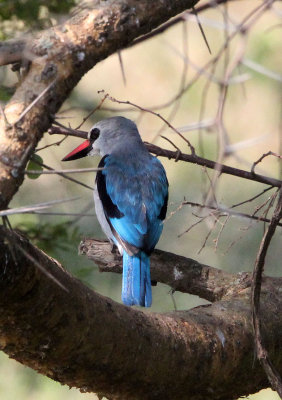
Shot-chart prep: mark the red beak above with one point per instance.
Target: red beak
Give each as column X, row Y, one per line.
column 80, row 151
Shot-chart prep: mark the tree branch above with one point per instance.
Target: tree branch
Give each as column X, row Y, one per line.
column 81, row 339
column 11, row 51
column 180, row 273
column 62, row 55
column 179, row 156
column 262, row 354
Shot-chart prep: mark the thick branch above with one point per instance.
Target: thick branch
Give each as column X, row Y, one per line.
column 180, row 273
column 12, row 51
column 59, row 58
column 82, row 339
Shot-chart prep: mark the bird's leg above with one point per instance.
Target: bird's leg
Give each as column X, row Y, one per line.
column 114, row 248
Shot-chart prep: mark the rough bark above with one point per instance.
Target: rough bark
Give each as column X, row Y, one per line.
column 82, row 339
column 180, row 273
column 59, row 57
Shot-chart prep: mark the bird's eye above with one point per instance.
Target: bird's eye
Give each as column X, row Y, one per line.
column 94, row 134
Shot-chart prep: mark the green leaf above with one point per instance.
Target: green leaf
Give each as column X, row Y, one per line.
column 33, row 166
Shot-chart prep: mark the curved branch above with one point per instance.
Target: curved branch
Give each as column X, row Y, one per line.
column 180, row 273
column 81, row 339
column 59, row 58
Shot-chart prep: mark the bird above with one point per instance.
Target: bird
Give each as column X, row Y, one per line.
column 130, row 197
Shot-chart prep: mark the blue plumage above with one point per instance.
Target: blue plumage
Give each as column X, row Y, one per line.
column 133, row 189
column 136, row 280
column 130, row 198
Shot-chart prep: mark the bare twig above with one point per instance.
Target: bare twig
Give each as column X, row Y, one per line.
column 176, row 104
column 171, row 142
column 192, row 226
column 32, row 104
column 201, row 29
column 226, row 211
column 176, row 20
column 268, row 200
column 269, row 153
column 262, row 70
column 252, row 198
column 58, row 143
column 154, row 113
column 63, row 175
column 216, row 240
column 35, row 207
column 121, row 67
column 62, row 171
column 262, row 354
column 64, row 214
column 91, row 112
column 207, row 236
column 7, row 124
column 14, row 243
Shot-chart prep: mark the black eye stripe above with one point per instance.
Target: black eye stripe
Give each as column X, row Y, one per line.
column 94, row 134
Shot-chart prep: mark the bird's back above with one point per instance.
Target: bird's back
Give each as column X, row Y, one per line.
column 133, row 188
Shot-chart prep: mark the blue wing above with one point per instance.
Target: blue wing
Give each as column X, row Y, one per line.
column 134, row 191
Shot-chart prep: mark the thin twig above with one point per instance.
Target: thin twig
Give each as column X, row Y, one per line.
column 62, row 171
column 121, row 67
column 192, row 226
column 216, row 240
column 262, row 354
column 227, row 211
column 252, row 198
column 176, row 20
column 176, row 104
column 63, row 175
column 269, row 153
column 207, row 236
column 91, row 112
column 35, row 207
column 262, row 70
column 58, row 143
column 64, row 214
column 153, row 113
column 201, row 29
column 269, row 199
column 7, row 124
column 13, row 243
column 35, row 101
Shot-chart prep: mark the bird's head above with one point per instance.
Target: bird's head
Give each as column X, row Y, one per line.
column 106, row 136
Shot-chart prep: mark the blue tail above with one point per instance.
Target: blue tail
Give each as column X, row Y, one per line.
column 136, row 280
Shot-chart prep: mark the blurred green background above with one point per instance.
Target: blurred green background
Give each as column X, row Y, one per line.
column 155, row 72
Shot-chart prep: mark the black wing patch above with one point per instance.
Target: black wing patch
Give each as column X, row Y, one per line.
column 163, row 211
column 110, row 209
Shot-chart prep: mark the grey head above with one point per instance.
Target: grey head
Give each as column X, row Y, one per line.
column 112, row 135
